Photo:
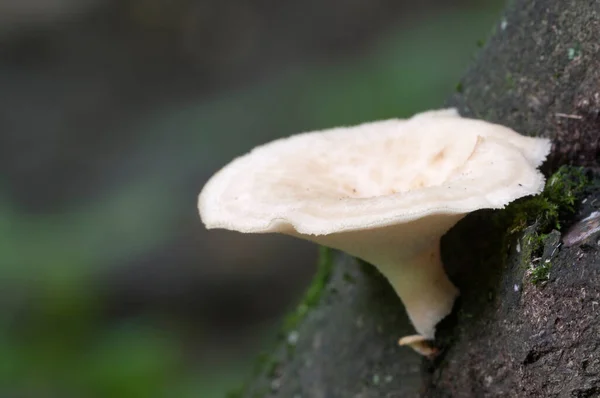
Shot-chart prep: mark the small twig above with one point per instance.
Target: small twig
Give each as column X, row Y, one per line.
column 568, row 116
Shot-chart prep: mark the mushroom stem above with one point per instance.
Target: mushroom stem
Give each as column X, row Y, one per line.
column 423, row 287
column 408, row 255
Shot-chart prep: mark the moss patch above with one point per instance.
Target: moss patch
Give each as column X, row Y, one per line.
column 313, row 293
column 544, row 213
column 491, row 252
column 540, row 273
column 553, row 206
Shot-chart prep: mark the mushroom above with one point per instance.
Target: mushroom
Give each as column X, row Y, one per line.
column 383, row 191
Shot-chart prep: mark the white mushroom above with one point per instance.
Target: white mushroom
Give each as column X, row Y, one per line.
column 384, row 191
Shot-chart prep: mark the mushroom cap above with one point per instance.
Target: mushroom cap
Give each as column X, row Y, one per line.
column 374, row 175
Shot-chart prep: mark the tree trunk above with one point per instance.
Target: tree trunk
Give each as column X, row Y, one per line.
column 523, row 326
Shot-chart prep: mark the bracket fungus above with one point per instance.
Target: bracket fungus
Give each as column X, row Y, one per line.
column 383, row 191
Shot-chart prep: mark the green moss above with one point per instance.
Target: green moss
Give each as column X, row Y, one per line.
column 548, row 209
column 313, row 293
column 513, row 237
column 529, row 245
column 543, row 213
column 541, row 272
column 535, row 243
column 531, row 220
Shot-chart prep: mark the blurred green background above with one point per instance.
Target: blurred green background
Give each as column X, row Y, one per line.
column 113, row 114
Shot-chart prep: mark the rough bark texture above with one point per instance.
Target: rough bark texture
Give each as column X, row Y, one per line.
column 508, row 336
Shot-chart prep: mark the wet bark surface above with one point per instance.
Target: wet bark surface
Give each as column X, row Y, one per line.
column 508, row 336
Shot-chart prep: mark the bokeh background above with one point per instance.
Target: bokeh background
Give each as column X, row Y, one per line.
column 113, row 114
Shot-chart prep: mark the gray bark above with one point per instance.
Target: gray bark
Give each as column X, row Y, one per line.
column 508, row 336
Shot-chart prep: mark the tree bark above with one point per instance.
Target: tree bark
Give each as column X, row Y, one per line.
column 507, row 336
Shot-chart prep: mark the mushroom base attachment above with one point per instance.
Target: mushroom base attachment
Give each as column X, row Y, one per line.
column 420, row 344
